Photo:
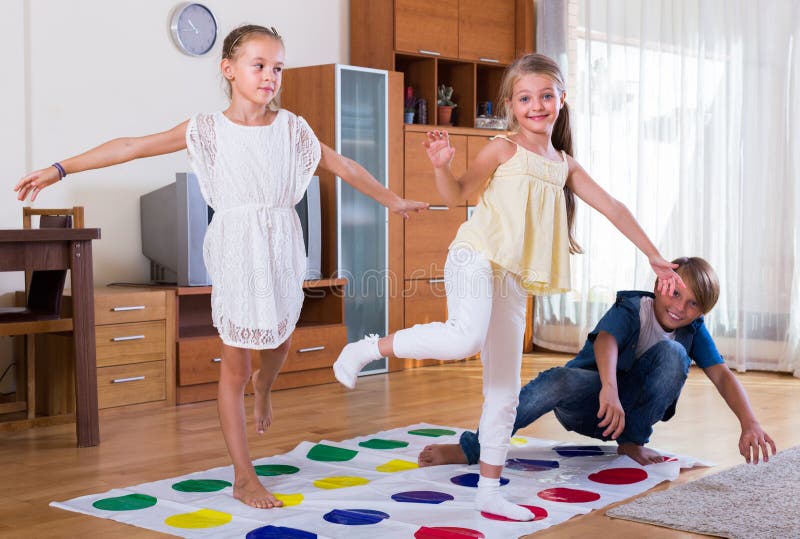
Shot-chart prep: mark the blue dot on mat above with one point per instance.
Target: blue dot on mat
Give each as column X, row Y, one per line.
column 279, row 532
column 355, row 517
column 471, row 480
column 579, row 450
column 530, row 465
column 422, row 496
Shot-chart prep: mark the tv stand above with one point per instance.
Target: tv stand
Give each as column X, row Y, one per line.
column 318, row 339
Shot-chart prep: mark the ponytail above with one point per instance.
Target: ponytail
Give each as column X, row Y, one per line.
column 562, row 141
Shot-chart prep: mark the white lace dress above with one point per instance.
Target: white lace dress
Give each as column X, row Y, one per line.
column 252, row 176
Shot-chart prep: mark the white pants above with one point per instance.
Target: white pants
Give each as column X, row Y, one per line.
column 486, row 310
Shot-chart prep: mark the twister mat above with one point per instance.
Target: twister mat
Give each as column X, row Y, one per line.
column 370, row 487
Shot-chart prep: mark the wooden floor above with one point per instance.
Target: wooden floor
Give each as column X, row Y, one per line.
column 41, row 465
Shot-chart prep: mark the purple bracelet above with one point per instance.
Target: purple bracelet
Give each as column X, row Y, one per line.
column 61, row 172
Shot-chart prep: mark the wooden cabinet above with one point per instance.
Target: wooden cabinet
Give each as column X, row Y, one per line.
column 486, row 30
column 319, row 337
column 426, row 27
column 420, row 184
column 134, row 339
column 427, row 237
column 466, row 44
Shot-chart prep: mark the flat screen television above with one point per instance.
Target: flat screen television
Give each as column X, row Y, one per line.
column 174, row 220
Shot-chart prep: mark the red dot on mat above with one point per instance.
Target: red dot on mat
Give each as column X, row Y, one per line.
column 538, row 514
column 568, row 495
column 619, row 476
column 447, row 532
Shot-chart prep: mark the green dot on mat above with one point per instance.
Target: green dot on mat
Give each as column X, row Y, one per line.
column 433, row 433
column 328, row 453
column 131, row 502
column 377, row 443
column 275, row 469
column 200, row 485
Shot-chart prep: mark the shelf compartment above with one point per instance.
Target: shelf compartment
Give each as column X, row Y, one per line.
column 461, row 76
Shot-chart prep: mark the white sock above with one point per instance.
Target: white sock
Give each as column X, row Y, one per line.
column 491, row 501
column 353, row 358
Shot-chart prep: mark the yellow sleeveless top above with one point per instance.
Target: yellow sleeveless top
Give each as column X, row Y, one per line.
column 520, row 222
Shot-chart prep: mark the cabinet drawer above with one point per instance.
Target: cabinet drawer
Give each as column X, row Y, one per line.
column 198, row 361
column 427, row 237
column 119, row 344
column 419, row 180
column 112, row 307
column 131, row 384
column 425, row 301
column 315, row 347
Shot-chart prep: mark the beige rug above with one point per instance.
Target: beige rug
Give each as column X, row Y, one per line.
column 746, row 501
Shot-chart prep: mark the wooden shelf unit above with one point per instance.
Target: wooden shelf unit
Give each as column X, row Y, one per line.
column 319, row 337
column 466, row 44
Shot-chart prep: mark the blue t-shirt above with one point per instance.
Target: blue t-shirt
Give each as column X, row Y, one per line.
column 623, row 323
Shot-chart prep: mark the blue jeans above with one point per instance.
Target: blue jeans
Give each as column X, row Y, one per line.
column 647, row 391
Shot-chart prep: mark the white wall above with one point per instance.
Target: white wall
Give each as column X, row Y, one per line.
column 100, row 69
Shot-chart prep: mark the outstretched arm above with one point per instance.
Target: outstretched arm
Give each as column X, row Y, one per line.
column 113, row 152
column 753, row 436
column 620, row 216
column 361, row 179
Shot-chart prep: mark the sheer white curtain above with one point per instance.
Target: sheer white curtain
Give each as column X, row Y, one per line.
column 689, row 112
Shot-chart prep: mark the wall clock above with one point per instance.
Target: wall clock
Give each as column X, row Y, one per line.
column 193, row 28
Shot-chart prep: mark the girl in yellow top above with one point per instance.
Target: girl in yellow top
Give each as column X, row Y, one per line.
column 517, row 242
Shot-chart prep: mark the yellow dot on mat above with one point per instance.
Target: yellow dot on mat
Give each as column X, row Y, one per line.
column 340, row 482
column 397, row 466
column 517, row 441
column 202, row 518
column 290, row 499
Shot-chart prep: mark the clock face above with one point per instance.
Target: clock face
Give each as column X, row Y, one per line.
column 194, row 28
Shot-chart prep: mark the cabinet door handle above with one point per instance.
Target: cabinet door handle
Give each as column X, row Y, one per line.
column 216, row 360
column 312, row 349
column 131, row 308
column 435, row 281
column 490, row 60
column 438, row 208
column 434, row 53
column 123, row 380
column 128, row 338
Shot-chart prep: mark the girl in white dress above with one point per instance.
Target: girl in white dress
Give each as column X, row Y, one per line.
column 253, row 162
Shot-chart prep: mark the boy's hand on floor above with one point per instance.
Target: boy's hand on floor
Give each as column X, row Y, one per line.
column 611, row 412
column 752, row 440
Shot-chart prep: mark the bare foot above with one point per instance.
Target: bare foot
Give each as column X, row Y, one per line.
column 262, row 405
column 253, row 493
column 437, row 454
column 640, row 453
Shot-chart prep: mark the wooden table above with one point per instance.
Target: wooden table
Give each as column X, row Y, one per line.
column 65, row 248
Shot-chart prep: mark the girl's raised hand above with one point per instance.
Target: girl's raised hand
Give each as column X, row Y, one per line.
column 404, row 207
column 667, row 278
column 33, row 183
column 438, row 147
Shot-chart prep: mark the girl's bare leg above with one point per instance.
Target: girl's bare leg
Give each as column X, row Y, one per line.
column 233, row 377
column 271, row 362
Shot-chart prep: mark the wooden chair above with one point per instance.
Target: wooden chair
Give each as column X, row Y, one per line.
column 42, row 310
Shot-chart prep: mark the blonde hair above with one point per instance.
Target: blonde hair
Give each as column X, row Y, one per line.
column 238, row 37
column 701, row 279
column 561, row 138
